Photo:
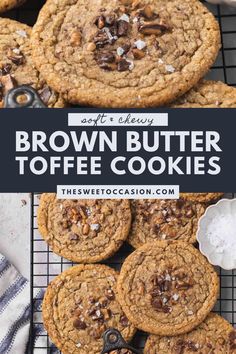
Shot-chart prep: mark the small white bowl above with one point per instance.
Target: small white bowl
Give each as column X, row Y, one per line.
column 227, row 258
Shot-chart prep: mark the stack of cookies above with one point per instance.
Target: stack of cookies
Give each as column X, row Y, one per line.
column 116, row 53
column 166, row 287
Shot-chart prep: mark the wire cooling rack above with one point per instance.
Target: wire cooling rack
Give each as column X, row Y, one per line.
column 45, row 265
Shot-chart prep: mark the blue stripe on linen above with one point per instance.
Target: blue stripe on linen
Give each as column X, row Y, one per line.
column 12, row 292
column 8, row 340
column 4, row 265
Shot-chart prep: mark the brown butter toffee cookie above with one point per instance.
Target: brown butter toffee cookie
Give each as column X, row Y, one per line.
column 208, row 94
column 167, row 288
column 16, row 66
column 124, row 53
column 164, row 219
column 214, row 335
column 82, row 230
column 79, row 305
column 6, row 5
column 201, row 197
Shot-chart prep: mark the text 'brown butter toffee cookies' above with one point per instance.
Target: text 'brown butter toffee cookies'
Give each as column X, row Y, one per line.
column 214, row 335
column 201, row 197
column 164, row 219
column 16, row 66
column 208, row 94
column 167, row 288
column 78, row 307
column 82, row 230
column 6, row 5
column 124, row 53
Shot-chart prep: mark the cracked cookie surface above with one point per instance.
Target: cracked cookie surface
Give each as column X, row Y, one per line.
column 82, row 230
column 79, row 305
column 163, row 219
column 124, row 53
column 6, row 5
column 214, row 335
column 208, row 94
column 167, row 288
column 16, row 65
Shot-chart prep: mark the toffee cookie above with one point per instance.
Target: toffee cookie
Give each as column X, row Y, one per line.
column 6, row 5
column 162, row 219
column 124, row 53
column 81, row 230
column 201, row 197
column 214, row 335
column 79, row 305
column 167, row 288
column 16, row 66
column 208, row 94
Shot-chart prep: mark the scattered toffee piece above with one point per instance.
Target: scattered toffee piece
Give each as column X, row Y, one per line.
column 110, row 295
column 106, row 57
column 73, row 237
column 152, row 28
column 138, row 54
column 5, row 70
column 122, row 28
column 123, row 65
column 124, row 321
column 167, row 289
column 78, row 324
column 45, row 94
column 8, row 82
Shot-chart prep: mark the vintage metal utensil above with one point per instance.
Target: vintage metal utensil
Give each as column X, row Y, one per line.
column 32, row 98
column 113, row 340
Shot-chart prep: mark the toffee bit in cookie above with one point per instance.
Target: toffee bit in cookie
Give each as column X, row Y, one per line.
column 106, row 57
column 45, row 94
column 79, row 324
column 16, row 56
column 75, row 39
column 8, row 82
column 100, row 21
column 5, row 69
column 153, row 27
column 147, row 12
column 101, row 39
column 138, row 54
column 109, row 293
column 73, row 237
column 122, row 28
column 124, row 321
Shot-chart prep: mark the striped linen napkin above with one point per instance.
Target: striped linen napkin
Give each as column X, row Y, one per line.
column 15, row 313
column 14, row 309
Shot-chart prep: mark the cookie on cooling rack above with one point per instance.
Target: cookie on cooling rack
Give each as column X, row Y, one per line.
column 79, row 305
column 124, row 53
column 167, row 288
column 214, row 335
column 83, row 230
column 16, row 66
column 162, row 219
column 208, row 94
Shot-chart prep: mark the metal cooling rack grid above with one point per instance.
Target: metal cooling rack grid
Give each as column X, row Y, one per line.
column 45, row 265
